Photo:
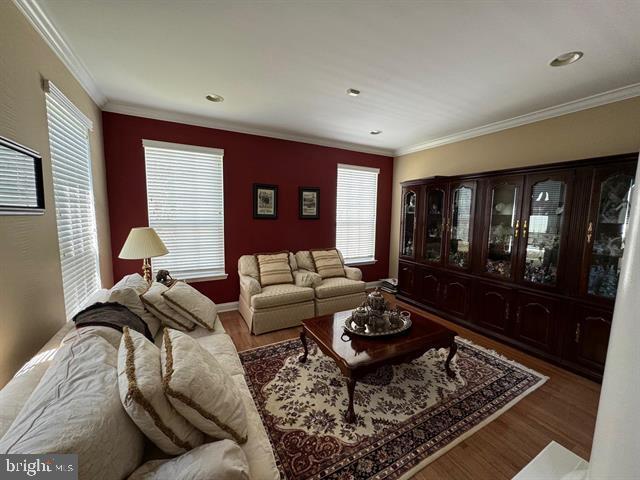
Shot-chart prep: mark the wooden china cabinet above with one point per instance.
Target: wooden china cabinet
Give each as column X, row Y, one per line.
column 529, row 256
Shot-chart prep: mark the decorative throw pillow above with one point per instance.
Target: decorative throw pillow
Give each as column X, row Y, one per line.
column 157, row 305
column 135, row 281
column 189, row 302
column 304, row 260
column 200, row 390
column 222, row 460
column 76, row 409
column 142, row 396
column 328, row 263
column 130, row 298
column 274, row 268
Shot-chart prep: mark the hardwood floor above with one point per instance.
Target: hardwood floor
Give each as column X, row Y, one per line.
column 563, row 409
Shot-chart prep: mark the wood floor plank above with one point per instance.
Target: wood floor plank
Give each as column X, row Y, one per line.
column 563, row 409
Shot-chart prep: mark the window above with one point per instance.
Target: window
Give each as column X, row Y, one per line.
column 21, row 190
column 186, row 207
column 73, row 196
column 356, row 205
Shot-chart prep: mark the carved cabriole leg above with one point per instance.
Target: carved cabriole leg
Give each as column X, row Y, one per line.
column 453, row 348
column 350, row 416
column 303, row 339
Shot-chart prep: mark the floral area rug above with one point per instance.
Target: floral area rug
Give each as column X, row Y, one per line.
column 407, row 414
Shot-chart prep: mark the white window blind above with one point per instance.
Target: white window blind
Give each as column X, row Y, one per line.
column 73, row 196
column 356, row 206
column 186, row 208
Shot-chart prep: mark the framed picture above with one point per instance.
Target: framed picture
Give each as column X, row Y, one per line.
column 265, row 201
column 309, row 203
column 20, row 180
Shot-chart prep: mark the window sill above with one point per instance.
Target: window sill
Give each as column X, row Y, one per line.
column 210, row 278
column 357, row 263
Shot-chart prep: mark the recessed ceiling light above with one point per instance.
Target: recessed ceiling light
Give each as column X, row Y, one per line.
column 215, row 98
column 353, row 92
column 375, row 132
column 566, row 59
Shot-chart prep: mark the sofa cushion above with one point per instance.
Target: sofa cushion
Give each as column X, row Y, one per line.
column 135, row 281
column 224, row 351
column 248, row 266
column 336, row 287
column 305, row 278
column 130, row 298
column 222, row 460
column 188, row 301
column 76, row 409
column 276, row 295
column 200, row 389
column 274, row 268
column 262, row 464
column 157, row 305
column 142, row 396
column 328, row 263
column 304, row 260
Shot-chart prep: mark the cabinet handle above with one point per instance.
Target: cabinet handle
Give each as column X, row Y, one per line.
column 517, row 229
column 524, row 229
column 518, row 315
column 506, row 311
column 589, row 232
column 577, row 339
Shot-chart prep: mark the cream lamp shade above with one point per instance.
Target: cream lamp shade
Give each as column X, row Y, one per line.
column 143, row 243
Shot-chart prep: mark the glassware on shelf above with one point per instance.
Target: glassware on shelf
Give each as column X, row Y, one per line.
column 504, row 198
column 409, row 223
column 542, row 229
column 609, row 235
column 460, row 239
column 434, row 225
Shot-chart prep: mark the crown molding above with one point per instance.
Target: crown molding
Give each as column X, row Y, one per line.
column 200, row 121
column 596, row 100
column 44, row 26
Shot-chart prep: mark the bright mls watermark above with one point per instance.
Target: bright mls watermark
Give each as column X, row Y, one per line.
column 47, row 466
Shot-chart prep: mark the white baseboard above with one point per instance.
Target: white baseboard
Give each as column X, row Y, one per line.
column 374, row 284
column 227, row 307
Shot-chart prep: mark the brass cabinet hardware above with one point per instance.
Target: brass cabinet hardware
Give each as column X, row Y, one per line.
column 577, row 339
column 524, row 229
column 589, row 232
column 517, row 229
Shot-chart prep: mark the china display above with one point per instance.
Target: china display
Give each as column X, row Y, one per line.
column 530, row 256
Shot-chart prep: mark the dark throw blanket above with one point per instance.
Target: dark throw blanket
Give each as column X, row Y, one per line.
column 111, row 315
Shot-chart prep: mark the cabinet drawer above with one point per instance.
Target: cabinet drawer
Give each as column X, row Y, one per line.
column 588, row 337
column 455, row 295
column 493, row 306
column 430, row 286
column 407, row 279
column 536, row 320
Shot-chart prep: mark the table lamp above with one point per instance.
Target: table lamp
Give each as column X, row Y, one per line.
column 143, row 243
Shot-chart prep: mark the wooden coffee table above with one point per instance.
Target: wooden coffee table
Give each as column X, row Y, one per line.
column 358, row 356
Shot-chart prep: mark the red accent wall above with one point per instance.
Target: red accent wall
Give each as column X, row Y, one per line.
column 248, row 159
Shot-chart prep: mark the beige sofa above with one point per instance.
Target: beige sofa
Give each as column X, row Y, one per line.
column 274, row 307
column 257, row 449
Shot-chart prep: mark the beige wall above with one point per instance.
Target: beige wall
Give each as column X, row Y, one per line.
column 31, row 300
column 606, row 130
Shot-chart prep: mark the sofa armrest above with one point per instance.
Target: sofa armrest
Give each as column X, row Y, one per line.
column 249, row 286
column 353, row 273
column 305, row 278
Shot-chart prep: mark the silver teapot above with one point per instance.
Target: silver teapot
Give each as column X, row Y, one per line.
column 376, row 301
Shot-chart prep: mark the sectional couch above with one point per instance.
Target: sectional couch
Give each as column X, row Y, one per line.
column 122, row 446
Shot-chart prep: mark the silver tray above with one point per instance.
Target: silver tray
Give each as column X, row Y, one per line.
column 350, row 327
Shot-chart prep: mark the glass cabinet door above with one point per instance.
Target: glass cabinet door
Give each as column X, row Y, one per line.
column 606, row 233
column 542, row 228
column 434, row 224
column 409, row 206
column 504, row 224
column 460, row 226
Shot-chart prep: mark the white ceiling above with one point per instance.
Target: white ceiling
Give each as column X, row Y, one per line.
column 426, row 69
